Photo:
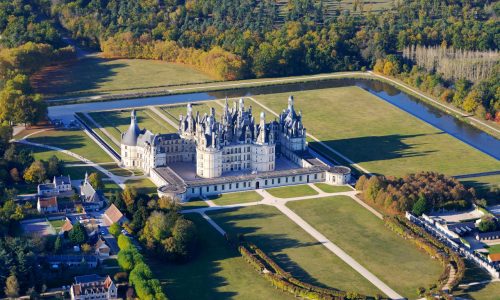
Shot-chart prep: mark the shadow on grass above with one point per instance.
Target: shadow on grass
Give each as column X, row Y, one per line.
column 375, row 148
column 65, row 142
column 198, row 278
column 271, row 244
column 82, row 75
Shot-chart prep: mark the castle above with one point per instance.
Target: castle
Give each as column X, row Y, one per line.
column 233, row 145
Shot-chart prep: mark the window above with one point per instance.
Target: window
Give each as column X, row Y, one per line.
column 215, row 188
column 279, row 180
column 223, row 187
column 315, row 176
column 237, row 185
column 230, row 186
column 300, row 178
column 265, row 182
column 208, row 188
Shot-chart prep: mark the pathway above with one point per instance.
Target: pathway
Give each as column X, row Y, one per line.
column 317, row 140
column 104, row 130
column 280, row 204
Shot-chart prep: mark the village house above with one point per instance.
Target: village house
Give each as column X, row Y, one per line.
column 93, row 287
column 47, row 205
column 114, row 215
column 92, row 199
column 101, row 249
column 60, row 184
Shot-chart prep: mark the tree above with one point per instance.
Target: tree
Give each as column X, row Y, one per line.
column 95, row 181
column 86, row 248
column 54, row 166
column 472, row 101
column 14, row 175
column 128, row 195
column 487, row 224
column 12, row 287
column 77, row 235
column 115, row 229
column 126, row 259
column 36, row 173
column 58, row 245
column 420, row 206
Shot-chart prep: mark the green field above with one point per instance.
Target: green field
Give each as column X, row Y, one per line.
column 292, row 248
column 292, row 191
column 327, row 188
column 73, row 140
column 116, row 122
column 217, row 272
column 111, row 76
column 490, row 291
column 40, row 153
column 494, row 249
column 143, row 186
column 482, row 184
column 194, row 203
column 363, row 236
column 57, row 224
column 235, row 198
column 379, row 136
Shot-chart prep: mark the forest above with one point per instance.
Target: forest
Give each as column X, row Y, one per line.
column 247, row 39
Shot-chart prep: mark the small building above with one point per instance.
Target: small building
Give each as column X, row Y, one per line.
column 67, row 226
column 114, row 215
column 90, row 195
column 47, row 205
column 494, row 258
column 93, row 287
column 494, row 235
column 101, row 249
column 62, row 183
column 57, row 261
column 46, row 190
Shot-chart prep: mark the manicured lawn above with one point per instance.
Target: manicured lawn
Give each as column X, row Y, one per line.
column 116, row 121
column 363, row 236
column 40, row 153
column 73, row 140
column 379, row 136
column 217, row 272
column 327, row 188
column 482, row 184
column 490, row 291
column 108, row 76
column 291, row 247
column 143, row 186
column 494, row 249
column 234, row 198
column 195, row 203
column 292, row 191
column 57, row 224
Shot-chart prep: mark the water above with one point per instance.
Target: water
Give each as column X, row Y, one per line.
column 441, row 120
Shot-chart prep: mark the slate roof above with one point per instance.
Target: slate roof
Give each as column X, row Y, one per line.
column 130, row 136
column 90, row 194
column 60, row 180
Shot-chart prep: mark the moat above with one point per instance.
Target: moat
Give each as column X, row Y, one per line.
column 422, row 110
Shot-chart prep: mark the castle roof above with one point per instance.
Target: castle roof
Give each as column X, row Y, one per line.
column 130, row 136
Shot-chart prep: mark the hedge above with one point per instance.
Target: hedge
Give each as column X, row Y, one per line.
column 286, row 282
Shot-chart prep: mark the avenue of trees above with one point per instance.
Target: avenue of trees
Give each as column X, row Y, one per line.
column 418, row 193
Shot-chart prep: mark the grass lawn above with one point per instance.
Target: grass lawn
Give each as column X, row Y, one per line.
column 217, row 272
column 143, row 186
column 494, row 249
column 490, row 291
column 327, row 188
column 110, row 187
column 234, row 198
column 100, row 133
column 379, row 136
column 40, row 153
column 482, row 184
column 363, row 236
column 292, row 248
column 57, row 224
column 194, row 203
column 292, row 191
column 73, row 140
column 107, row 76
column 118, row 121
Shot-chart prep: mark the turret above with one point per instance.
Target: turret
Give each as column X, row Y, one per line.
column 129, row 138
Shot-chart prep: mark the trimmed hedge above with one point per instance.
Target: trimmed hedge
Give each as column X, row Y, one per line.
column 284, row 281
column 432, row 246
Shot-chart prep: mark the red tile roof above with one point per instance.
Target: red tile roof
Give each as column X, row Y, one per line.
column 48, row 202
column 494, row 257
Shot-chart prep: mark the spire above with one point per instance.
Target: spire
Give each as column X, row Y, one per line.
column 290, row 102
column 189, row 110
column 86, row 180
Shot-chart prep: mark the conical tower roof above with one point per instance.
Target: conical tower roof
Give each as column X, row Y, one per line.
column 129, row 138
